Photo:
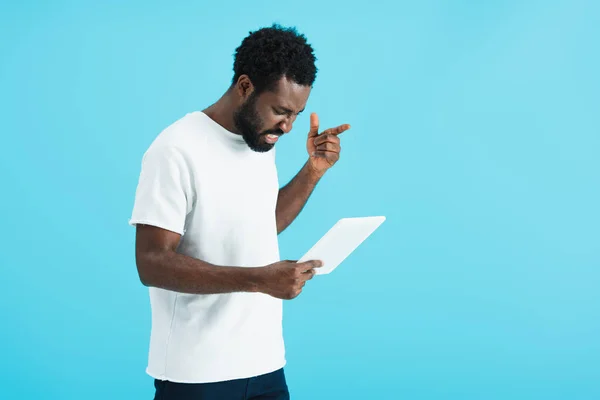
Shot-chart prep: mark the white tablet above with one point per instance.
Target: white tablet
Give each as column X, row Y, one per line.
column 341, row 240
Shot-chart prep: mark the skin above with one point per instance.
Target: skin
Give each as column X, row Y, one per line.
column 159, row 264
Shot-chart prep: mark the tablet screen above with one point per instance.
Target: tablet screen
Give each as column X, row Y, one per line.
column 340, row 241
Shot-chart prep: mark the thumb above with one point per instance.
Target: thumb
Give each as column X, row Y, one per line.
column 308, row 265
column 314, row 126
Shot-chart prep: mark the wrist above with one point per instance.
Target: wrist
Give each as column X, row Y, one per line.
column 313, row 176
column 255, row 279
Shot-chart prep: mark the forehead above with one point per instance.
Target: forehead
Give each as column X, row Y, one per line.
column 287, row 94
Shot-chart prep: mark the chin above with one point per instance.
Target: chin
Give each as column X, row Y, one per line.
column 260, row 146
column 263, row 148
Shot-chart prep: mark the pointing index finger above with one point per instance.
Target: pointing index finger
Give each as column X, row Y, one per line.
column 337, row 130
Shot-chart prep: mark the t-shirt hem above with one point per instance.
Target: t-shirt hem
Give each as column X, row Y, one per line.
column 161, row 225
column 225, row 378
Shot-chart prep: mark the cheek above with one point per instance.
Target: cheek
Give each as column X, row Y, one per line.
column 272, row 121
column 268, row 119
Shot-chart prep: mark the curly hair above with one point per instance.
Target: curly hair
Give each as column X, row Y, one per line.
column 270, row 53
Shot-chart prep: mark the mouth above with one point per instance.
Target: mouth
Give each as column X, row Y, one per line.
column 271, row 138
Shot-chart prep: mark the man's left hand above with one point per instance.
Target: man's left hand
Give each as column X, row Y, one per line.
column 323, row 148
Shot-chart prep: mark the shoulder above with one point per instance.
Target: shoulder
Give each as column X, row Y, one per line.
column 182, row 139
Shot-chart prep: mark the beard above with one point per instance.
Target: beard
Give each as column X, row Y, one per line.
column 249, row 123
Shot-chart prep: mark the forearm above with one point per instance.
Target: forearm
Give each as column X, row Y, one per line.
column 294, row 196
column 180, row 273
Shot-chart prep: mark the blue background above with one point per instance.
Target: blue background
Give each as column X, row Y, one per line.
column 475, row 130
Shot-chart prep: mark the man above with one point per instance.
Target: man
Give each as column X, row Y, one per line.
column 207, row 212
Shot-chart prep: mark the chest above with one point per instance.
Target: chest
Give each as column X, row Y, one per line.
column 236, row 192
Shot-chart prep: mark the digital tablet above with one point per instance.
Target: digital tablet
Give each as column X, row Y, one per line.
column 341, row 240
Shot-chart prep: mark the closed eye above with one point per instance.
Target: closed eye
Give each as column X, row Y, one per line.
column 286, row 112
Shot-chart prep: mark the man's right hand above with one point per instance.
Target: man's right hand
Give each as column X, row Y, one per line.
column 285, row 279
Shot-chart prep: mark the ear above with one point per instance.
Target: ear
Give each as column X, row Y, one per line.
column 244, row 87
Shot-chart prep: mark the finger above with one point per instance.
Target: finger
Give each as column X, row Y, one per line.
column 309, row 274
column 326, row 138
column 308, row 265
column 337, row 130
column 334, row 148
column 328, row 155
column 314, row 125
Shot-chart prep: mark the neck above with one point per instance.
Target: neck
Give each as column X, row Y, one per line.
column 222, row 112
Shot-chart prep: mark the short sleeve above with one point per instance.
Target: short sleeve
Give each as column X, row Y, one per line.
column 163, row 193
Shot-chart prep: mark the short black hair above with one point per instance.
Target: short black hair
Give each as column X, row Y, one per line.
column 270, row 53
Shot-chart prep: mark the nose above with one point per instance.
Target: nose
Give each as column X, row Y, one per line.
column 286, row 124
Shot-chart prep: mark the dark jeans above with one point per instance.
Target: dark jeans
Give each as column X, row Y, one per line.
column 271, row 386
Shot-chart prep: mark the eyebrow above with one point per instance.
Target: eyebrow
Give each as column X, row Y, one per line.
column 287, row 110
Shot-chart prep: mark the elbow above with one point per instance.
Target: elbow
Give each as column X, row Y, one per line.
column 144, row 279
column 144, row 268
column 279, row 223
column 143, row 275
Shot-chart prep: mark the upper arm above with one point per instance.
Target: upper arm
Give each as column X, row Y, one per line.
column 150, row 239
column 162, row 201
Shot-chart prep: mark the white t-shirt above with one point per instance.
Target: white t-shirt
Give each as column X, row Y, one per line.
column 205, row 183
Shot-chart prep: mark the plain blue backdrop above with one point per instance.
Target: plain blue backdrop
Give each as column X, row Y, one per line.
column 475, row 130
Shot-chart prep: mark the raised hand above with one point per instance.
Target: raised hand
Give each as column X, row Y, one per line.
column 323, row 148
